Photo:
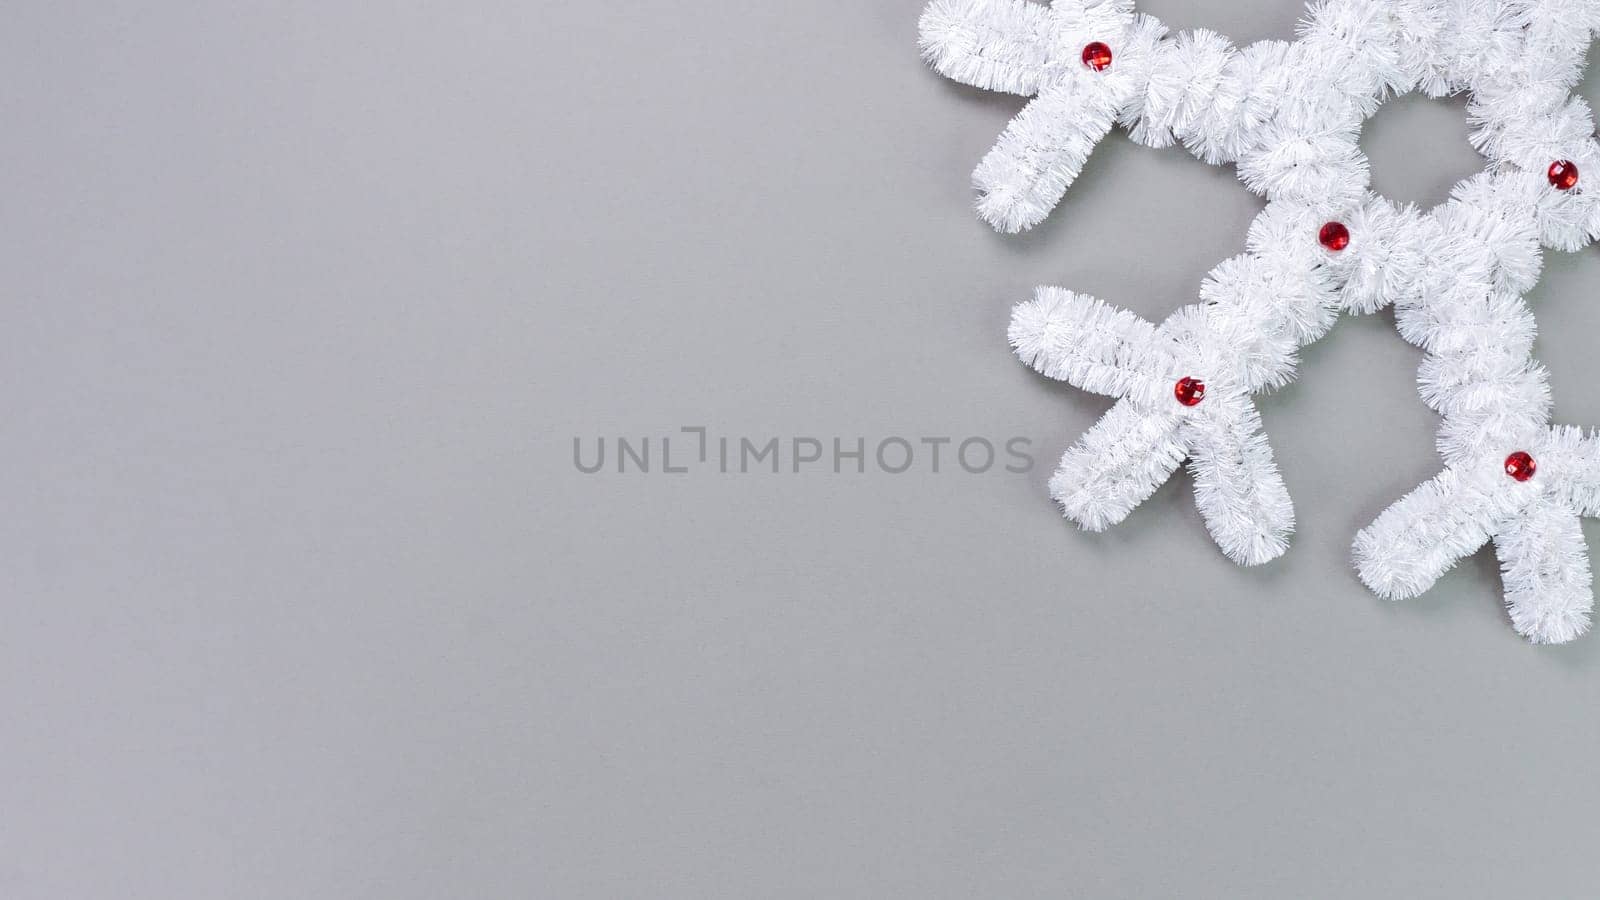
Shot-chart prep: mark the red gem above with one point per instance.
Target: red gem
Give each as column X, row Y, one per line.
column 1563, row 175
column 1097, row 56
column 1189, row 391
column 1334, row 236
column 1521, row 466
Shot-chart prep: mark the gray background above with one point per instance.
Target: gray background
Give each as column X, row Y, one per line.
column 304, row 598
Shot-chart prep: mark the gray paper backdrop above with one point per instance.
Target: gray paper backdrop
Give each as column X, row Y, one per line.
column 305, row 303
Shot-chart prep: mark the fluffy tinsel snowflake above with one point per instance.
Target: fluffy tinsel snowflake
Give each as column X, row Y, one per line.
column 1289, row 114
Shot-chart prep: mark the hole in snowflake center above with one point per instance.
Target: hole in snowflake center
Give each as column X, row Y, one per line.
column 1419, row 149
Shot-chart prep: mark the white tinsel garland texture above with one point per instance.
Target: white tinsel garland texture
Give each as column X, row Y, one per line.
column 1289, row 114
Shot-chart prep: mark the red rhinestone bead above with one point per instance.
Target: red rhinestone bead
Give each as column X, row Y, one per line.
column 1189, row 391
column 1097, row 56
column 1334, row 236
column 1521, row 466
column 1563, row 175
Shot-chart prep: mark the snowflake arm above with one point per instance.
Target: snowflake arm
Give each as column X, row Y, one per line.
column 1087, row 343
column 1582, row 481
column 1039, row 155
column 1135, row 448
column 1533, row 523
column 1423, row 536
column 997, row 45
column 1117, row 465
column 1237, row 487
column 1545, row 567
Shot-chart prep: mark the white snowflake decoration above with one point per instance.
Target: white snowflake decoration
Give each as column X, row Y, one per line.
column 1289, row 115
